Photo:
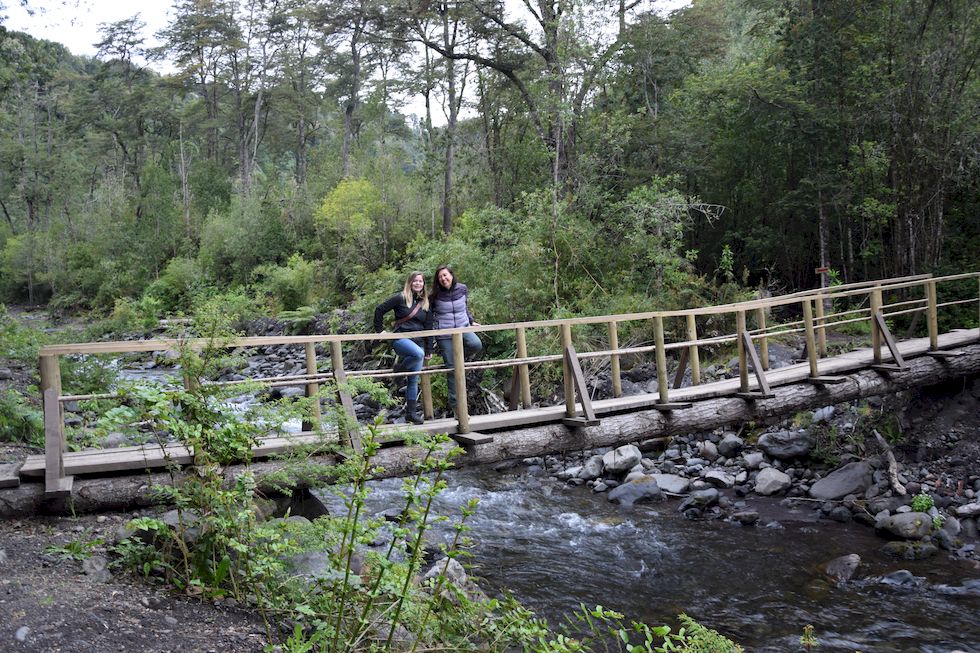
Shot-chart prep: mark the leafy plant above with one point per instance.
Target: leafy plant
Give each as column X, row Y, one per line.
column 922, row 502
column 76, row 549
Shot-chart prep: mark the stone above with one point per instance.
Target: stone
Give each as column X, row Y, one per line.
column 842, row 569
column 969, row 510
column 621, row 459
column 720, row 479
column 840, row 514
column 731, row 445
column 902, row 578
column 22, row 633
column 753, row 460
column 907, row 525
column 672, row 483
column 823, row 414
column 911, row 550
column 786, row 445
column 852, row 478
column 592, row 468
column 746, row 517
column 699, row 500
column 96, row 568
column 641, row 490
column 770, row 481
column 708, row 450
column 6, row 374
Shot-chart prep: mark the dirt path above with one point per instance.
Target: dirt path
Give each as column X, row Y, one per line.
column 48, row 603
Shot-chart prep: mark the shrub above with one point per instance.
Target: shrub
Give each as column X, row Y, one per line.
column 177, row 286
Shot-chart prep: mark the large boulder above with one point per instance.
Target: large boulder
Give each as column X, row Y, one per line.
column 770, row 481
column 786, row 445
column 622, row 459
column 640, row 490
column 852, row 478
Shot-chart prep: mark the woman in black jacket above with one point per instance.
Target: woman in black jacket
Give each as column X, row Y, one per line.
column 411, row 308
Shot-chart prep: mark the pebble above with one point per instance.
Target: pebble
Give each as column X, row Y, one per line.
column 22, row 633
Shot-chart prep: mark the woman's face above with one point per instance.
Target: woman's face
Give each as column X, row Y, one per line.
column 445, row 278
column 418, row 284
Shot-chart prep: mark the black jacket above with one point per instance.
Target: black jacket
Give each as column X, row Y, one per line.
column 396, row 303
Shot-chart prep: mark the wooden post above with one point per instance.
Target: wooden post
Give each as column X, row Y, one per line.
column 875, row 332
column 820, row 326
column 347, row 403
column 522, row 370
column 566, row 340
column 312, row 389
column 658, row 336
column 811, row 345
column 760, row 319
column 614, row 371
column 54, row 425
column 743, row 363
column 693, row 355
column 459, row 373
column 932, row 315
column 426, row 384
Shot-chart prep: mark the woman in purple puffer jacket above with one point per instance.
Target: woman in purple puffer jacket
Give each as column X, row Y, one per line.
column 447, row 310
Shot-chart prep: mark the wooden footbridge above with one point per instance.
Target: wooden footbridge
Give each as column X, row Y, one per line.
column 876, row 308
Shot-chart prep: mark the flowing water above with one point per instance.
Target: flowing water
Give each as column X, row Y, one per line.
column 554, row 546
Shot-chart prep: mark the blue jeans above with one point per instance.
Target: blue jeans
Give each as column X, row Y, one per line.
column 471, row 347
column 412, row 356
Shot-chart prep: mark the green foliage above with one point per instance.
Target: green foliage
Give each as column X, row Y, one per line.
column 808, row 640
column 178, row 285
column 922, row 502
column 289, row 286
column 20, row 421
column 78, row 549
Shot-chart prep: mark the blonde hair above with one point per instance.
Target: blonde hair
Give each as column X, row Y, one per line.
column 407, row 291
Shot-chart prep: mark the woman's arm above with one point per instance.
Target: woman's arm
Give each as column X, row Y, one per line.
column 384, row 307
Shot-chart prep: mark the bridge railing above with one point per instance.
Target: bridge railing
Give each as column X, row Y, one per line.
column 866, row 303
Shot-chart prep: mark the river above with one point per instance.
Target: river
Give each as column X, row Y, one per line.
column 554, row 546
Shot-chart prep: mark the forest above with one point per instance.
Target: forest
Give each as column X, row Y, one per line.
column 574, row 157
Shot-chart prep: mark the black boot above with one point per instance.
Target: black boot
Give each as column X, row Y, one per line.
column 412, row 412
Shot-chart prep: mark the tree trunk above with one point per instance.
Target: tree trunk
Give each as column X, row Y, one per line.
column 128, row 492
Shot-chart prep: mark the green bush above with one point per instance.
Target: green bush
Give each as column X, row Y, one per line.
column 289, row 286
column 19, row 420
column 177, row 286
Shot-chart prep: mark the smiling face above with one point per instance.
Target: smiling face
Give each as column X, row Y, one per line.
column 445, row 278
column 418, row 284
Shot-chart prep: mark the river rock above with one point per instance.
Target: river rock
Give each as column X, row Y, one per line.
column 746, row 517
column 902, row 578
column 592, row 469
column 672, row 483
column 969, row 510
column 770, row 481
column 823, row 414
column 842, row 569
column 786, row 445
column 621, row 459
column 907, row 550
column 708, row 450
column 731, row 445
column 906, row 525
column 720, row 479
column 699, row 500
column 753, row 460
column 852, row 478
column 641, row 490
column 454, row 573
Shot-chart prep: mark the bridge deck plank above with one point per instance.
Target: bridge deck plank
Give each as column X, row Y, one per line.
column 97, row 461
